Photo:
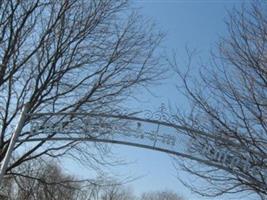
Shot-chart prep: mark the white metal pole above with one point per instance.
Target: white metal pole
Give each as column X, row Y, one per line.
column 12, row 142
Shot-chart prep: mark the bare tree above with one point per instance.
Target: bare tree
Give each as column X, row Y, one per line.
column 41, row 180
column 161, row 195
column 46, row 180
column 117, row 192
column 69, row 56
column 102, row 189
column 228, row 120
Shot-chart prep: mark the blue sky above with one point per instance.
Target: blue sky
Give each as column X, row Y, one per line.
column 197, row 24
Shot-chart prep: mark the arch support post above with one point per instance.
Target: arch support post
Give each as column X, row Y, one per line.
column 5, row 161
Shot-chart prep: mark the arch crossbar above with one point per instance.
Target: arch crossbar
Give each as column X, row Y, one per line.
column 118, row 142
column 161, row 121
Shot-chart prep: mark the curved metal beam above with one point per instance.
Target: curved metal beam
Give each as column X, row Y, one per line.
column 111, row 141
column 153, row 121
column 143, row 146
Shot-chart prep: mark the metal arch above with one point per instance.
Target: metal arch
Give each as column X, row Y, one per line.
column 168, row 122
column 127, row 117
column 143, row 146
column 165, row 121
column 160, row 117
column 133, row 144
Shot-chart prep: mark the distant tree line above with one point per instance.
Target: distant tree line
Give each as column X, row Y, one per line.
column 44, row 180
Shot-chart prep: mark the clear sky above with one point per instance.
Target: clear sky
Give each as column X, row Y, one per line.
column 197, row 24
